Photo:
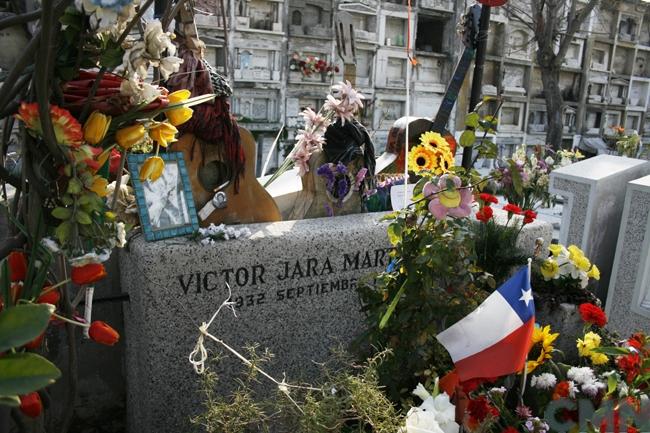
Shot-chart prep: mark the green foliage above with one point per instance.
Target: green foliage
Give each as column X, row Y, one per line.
column 345, row 398
column 22, row 373
column 496, row 250
column 430, row 284
column 23, row 323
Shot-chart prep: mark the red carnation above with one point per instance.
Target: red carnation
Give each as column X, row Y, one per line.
column 479, row 409
column 561, row 390
column 529, row 216
column 488, row 198
column 592, row 314
column 510, row 429
column 484, row 214
column 512, row 208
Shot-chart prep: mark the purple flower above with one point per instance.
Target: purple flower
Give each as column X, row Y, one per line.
column 325, row 170
column 342, row 188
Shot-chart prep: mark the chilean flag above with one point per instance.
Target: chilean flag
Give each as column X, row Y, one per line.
column 494, row 339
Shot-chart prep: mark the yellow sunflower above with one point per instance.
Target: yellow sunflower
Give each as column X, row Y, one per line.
column 445, row 161
column 422, row 158
column 434, row 140
column 541, row 347
column 435, row 160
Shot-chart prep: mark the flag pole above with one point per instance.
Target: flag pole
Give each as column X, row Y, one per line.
column 524, row 374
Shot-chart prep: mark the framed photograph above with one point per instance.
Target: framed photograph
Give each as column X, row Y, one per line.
column 166, row 206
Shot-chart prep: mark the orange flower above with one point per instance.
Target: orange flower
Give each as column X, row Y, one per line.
column 102, row 333
column 88, row 274
column 35, row 343
column 51, row 297
column 67, row 129
column 17, row 262
column 31, row 404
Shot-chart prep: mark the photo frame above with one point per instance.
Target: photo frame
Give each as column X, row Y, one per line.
column 166, row 206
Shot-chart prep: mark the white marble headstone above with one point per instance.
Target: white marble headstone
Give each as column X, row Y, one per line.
column 594, row 193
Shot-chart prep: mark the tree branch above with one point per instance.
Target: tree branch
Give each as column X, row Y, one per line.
column 20, row 19
column 573, row 26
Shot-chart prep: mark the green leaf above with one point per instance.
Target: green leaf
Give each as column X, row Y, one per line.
column 67, row 200
column 82, row 217
column 612, row 382
column 74, row 186
column 472, row 120
column 517, row 182
column 392, row 306
column 22, row 324
column 62, row 213
column 63, row 231
column 22, row 373
column 613, row 351
column 467, row 138
column 395, row 232
column 9, row 400
column 111, row 57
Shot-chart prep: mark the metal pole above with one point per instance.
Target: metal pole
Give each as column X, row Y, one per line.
column 477, row 80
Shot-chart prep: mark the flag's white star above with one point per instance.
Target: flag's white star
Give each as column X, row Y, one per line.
column 526, row 296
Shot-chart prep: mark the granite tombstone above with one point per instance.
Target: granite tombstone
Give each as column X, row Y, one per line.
column 594, row 193
column 628, row 299
column 293, row 284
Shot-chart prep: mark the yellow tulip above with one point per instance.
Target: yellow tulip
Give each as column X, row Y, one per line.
column 152, row 168
column 178, row 116
column 96, row 127
column 99, row 186
column 130, row 135
column 179, row 96
column 110, row 215
column 163, row 133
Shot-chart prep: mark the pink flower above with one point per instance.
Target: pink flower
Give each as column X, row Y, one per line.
column 314, row 121
column 455, row 202
column 312, row 141
column 301, row 160
column 345, row 92
column 340, row 108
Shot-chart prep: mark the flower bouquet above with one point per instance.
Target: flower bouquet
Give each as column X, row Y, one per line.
column 523, row 178
column 338, row 151
column 81, row 102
